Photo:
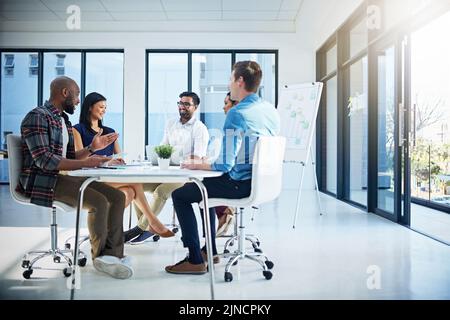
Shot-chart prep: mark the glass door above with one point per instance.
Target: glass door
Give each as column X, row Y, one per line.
column 386, row 137
column 388, row 60
column 430, row 124
column 411, row 96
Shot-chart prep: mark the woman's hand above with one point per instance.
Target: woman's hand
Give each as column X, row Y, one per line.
column 116, row 162
column 101, row 142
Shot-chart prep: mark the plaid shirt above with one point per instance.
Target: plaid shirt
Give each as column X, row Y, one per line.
column 42, row 146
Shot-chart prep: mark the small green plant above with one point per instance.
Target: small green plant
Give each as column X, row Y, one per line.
column 165, row 151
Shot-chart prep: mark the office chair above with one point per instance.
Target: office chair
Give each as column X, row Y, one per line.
column 14, row 145
column 254, row 240
column 266, row 186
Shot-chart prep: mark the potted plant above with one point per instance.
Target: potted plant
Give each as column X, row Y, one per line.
column 164, row 153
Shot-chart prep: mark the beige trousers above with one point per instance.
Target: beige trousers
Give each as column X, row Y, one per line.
column 105, row 218
column 161, row 192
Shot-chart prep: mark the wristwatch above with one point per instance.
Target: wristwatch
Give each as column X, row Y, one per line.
column 90, row 149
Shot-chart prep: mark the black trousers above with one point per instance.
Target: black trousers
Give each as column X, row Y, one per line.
column 184, row 197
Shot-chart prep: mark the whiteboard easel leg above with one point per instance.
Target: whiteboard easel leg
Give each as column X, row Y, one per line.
column 317, row 192
column 299, row 196
column 317, row 184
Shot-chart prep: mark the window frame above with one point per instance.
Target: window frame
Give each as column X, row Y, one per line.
column 321, row 129
column 40, row 52
column 11, row 65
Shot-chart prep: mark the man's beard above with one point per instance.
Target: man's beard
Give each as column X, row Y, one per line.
column 68, row 106
column 185, row 115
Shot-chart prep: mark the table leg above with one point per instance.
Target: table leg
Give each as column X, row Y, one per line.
column 83, row 187
column 209, row 252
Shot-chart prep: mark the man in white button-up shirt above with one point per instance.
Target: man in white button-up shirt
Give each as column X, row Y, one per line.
column 189, row 136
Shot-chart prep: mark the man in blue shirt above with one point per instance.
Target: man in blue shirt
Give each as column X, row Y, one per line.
column 244, row 123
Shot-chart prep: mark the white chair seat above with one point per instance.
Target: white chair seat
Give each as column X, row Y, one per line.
column 240, row 203
column 57, row 204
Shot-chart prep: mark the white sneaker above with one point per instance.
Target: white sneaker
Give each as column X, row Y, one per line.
column 115, row 267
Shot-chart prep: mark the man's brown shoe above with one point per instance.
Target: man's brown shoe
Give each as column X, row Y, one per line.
column 216, row 259
column 185, row 267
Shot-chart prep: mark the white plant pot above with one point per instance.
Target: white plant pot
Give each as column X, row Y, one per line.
column 163, row 163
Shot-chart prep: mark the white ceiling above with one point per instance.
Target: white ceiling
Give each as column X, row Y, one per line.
column 152, row 10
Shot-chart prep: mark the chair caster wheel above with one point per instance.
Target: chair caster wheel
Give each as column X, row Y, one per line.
column 228, row 277
column 269, row 265
column 267, row 274
column 226, row 251
column 156, row 238
column 67, row 246
column 258, row 250
column 25, row 264
column 56, row 259
column 27, row 273
column 67, row 272
column 82, row 262
column 175, row 230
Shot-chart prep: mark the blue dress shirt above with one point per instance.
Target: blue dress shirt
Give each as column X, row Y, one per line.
column 251, row 118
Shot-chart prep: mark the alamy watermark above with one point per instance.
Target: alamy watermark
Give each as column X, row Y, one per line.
column 373, row 17
column 374, row 280
column 74, row 281
column 73, row 22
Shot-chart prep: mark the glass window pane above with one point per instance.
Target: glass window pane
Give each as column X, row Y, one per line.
column 358, row 116
column 331, row 89
column 332, row 59
column 62, row 64
column 104, row 74
column 18, row 90
column 430, row 101
column 358, row 38
column 431, row 112
column 210, row 77
column 386, row 129
column 167, row 75
column 267, row 63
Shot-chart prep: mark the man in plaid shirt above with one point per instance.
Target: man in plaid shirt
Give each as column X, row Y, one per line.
column 48, row 148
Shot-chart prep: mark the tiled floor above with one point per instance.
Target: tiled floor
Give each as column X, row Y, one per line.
column 328, row 257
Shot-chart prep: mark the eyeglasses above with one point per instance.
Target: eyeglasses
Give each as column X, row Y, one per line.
column 184, row 104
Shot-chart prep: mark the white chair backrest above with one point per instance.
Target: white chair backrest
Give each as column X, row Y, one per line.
column 14, row 145
column 267, row 171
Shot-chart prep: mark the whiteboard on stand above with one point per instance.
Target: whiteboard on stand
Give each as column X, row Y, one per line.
column 298, row 108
